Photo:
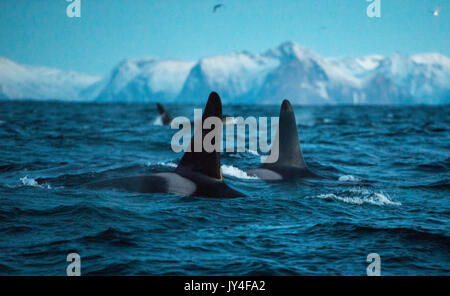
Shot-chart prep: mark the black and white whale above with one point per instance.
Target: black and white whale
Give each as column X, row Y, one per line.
column 198, row 173
column 166, row 118
column 290, row 163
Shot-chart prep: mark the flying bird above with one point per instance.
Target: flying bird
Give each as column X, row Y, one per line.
column 436, row 11
column 217, row 6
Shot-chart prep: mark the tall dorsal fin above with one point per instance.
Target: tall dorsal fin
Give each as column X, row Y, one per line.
column 290, row 154
column 166, row 118
column 207, row 163
column 161, row 109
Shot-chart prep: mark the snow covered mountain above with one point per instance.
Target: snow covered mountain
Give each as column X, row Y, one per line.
column 141, row 80
column 236, row 77
column 422, row 78
column 306, row 78
column 26, row 82
column 397, row 79
column 288, row 71
column 358, row 67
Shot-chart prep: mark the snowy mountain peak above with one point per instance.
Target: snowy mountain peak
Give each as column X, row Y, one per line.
column 290, row 50
column 288, row 71
column 142, row 80
column 431, row 58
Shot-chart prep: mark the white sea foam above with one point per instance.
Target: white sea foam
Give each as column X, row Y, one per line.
column 33, row 183
column 240, row 154
column 348, row 178
column 29, row 181
column 360, row 197
column 226, row 170
column 168, row 164
column 235, row 172
column 253, row 152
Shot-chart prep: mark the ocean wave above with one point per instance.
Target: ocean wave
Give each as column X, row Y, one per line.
column 16, row 229
column 409, row 233
column 116, row 268
column 111, row 236
column 77, row 211
column 437, row 166
column 167, row 164
column 359, row 197
column 33, row 183
column 235, row 172
column 348, row 178
column 441, row 184
column 9, row 167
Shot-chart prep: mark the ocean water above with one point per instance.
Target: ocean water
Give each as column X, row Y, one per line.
column 386, row 192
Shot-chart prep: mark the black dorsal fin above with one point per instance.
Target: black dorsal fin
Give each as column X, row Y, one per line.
column 166, row 118
column 207, row 163
column 290, row 154
column 161, row 109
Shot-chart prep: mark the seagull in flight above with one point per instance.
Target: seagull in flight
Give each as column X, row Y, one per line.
column 217, row 6
column 436, row 11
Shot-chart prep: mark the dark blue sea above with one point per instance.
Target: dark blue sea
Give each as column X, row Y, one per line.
column 386, row 192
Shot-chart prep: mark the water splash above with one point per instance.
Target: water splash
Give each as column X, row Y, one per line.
column 164, row 163
column 357, row 196
column 33, row 183
column 235, row 172
column 348, row 178
column 253, row 152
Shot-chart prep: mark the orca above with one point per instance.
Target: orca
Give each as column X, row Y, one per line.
column 198, row 173
column 166, row 118
column 290, row 163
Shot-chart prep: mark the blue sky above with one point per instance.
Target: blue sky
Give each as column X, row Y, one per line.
column 39, row 32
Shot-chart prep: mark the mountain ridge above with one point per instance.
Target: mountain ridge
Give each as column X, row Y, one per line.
column 288, row 71
column 40, row 83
